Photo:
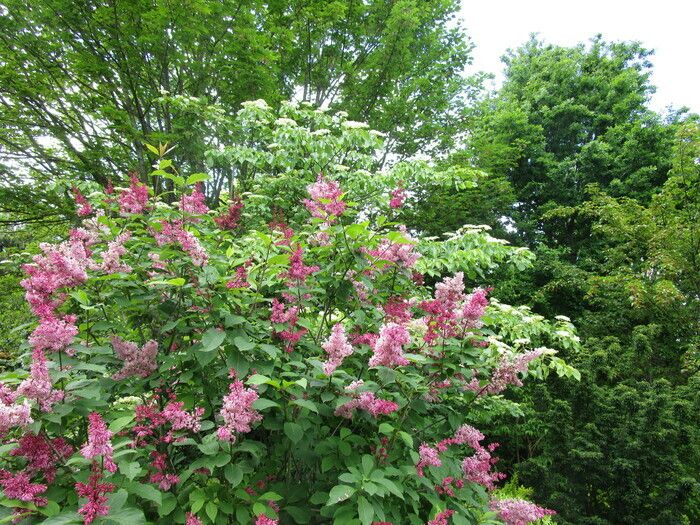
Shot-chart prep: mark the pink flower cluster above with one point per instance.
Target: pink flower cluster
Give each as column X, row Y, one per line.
column 192, row 519
column 13, row 415
column 151, row 422
column 369, row 402
column 451, row 313
column 298, row 271
column 397, row 309
column 19, row 486
column 388, row 349
column 289, row 316
column 231, row 219
column 42, row 454
column 398, row 196
column 476, row 468
column 84, row 205
column 139, row 362
column 518, row 512
column 62, row 266
column 175, row 233
column 111, row 258
column 325, row 200
column 441, row 518
column 194, row 204
column 161, row 477
column 237, row 411
column 98, row 443
column 241, row 278
column 135, row 198
column 399, row 253
column 448, row 486
column 96, row 494
column 38, row 385
column 428, row 457
column 506, row 373
column 337, row 348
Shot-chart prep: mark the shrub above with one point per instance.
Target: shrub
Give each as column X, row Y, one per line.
column 202, row 366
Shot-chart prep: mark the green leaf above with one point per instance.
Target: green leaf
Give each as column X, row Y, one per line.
column 233, row 474
column 243, row 343
column 262, row 404
column 365, row 510
column 391, row 486
column 367, row 464
column 212, row 510
column 126, row 516
column 130, row 469
column 119, row 423
column 257, row 379
column 299, row 514
column 212, row 339
column 306, row 404
column 339, row 493
column 294, row 432
column 168, row 505
column 68, row 518
column 386, row 428
column 195, row 178
column 148, row 492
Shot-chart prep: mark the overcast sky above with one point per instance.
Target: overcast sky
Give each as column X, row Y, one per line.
column 670, row 27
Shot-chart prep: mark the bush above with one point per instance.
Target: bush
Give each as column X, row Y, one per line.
column 195, row 365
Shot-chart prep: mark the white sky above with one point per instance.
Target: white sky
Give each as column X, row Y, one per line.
column 671, row 28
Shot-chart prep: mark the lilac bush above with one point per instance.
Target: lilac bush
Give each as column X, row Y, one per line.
column 258, row 364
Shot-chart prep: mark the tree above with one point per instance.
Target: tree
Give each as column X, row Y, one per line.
column 84, row 84
column 572, row 117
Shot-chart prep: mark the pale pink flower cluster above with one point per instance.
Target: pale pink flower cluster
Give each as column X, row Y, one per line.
column 180, row 419
column 518, row 512
column 428, row 457
column 194, row 204
column 451, row 289
column 38, row 385
column 60, row 267
column 369, row 402
column 388, row 349
column 54, row 333
column 192, row 519
column 400, row 253
column 506, row 373
column 478, row 468
column 175, row 233
column 137, row 361
column 135, row 198
column 325, row 199
column 337, row 347
column 14, row 415
column 98, row 443
column 111, row 258
column 237, row 411
column 474, row 308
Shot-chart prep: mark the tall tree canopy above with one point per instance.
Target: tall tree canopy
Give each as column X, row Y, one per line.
column 83, row 84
